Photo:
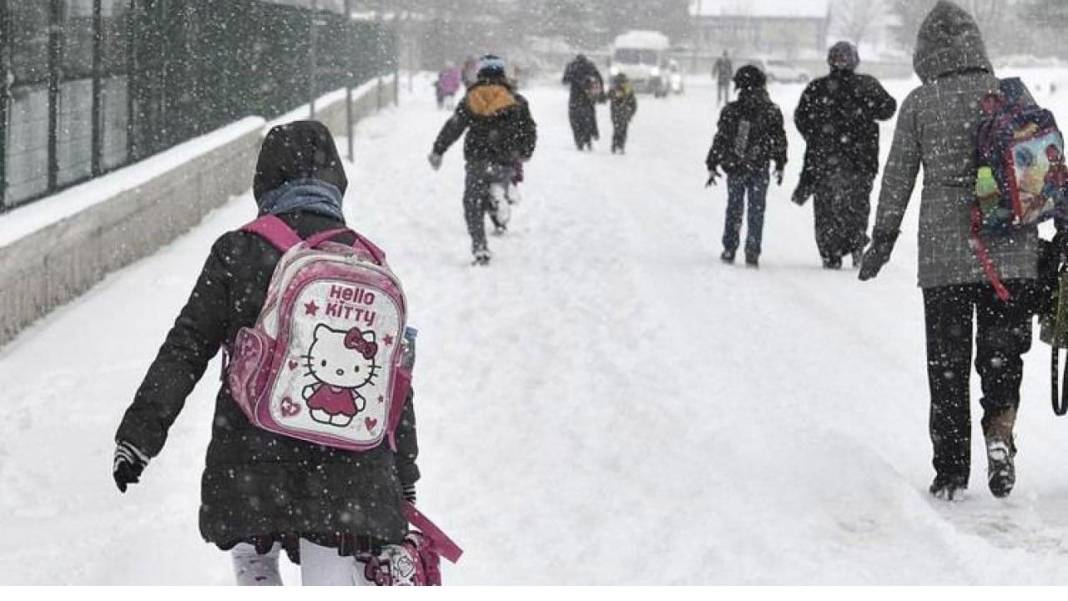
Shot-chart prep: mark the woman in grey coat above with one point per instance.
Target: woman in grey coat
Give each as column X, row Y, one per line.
column 936, row 128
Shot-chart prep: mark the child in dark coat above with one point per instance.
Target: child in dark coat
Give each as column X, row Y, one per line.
column 261, row 492
column 624, row 104
column 750, row 135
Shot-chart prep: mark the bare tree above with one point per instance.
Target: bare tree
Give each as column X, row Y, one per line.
column 855, row 20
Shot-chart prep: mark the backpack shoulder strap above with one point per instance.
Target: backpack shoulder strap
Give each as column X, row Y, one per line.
column 275, row 231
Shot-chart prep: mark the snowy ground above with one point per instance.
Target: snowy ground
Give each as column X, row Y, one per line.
column 606, row 404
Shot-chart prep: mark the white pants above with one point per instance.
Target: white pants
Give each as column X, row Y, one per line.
column 319, row 566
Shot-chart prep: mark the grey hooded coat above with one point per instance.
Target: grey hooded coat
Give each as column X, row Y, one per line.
column 936, row 128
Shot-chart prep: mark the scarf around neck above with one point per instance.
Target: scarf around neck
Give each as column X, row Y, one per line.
column 311, row 195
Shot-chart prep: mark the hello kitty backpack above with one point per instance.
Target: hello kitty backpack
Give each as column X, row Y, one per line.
column 323, row 362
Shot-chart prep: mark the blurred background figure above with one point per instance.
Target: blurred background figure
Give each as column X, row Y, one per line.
column 587, row 89
column 449, row 80
column 624, row 104
column 722, row 71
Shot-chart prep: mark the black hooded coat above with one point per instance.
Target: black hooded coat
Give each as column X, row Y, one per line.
column 257, row 486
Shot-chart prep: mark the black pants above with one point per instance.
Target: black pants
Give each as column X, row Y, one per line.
column 1003, row 335
column 842, row 207
column 583, row 117
column 477, row 199
column 619, row 133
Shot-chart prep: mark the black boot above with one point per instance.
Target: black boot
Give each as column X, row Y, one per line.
column 948, row 488
column 727, row 257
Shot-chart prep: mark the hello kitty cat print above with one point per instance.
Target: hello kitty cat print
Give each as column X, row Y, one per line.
column 341, row 363
column 336, row 380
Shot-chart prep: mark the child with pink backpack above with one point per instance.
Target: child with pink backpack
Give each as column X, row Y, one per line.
column 313, row 442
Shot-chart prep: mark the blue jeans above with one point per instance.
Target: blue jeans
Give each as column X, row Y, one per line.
column 756, row 184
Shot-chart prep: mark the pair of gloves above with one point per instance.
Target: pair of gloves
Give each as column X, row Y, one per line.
column 130, row 462
column 714, row 174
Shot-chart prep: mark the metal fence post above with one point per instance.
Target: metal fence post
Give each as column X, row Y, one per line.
column 55, row 55
column 97, row 144
column 5, row 93
column 348, row 80
column 312, row 62
column 131, row 82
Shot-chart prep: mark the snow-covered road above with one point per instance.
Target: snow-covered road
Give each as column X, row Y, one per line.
column 606, row 404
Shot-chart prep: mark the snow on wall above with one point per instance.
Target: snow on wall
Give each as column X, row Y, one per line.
column 56, row 249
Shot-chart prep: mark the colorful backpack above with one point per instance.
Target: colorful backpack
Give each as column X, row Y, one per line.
column 324, row 361
column 1022, row 177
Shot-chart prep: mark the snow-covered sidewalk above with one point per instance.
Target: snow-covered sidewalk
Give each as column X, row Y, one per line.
column 606, row 404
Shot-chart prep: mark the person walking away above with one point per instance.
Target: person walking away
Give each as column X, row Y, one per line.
column 624, row 104
column 750, row 136
column 500, row 133
column 448, row 84
column 838, row 117
column 586, row 90
column 262, row 492
column 722, row 72
column 937, row 128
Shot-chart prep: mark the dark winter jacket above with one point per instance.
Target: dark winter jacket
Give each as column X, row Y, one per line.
column 937, row 128
column 838, row 117
column 502, row 130
column 623, row 103
column 257, row 485
column 750, row 134
column 582, row 76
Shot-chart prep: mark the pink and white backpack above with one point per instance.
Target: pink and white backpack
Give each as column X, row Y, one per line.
column 323, row 362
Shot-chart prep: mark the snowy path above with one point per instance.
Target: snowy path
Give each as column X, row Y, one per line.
column 606, row 404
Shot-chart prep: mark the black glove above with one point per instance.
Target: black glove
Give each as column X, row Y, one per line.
column 882, row 244
column 129, row 463
column 778, row 174
column 713, row 175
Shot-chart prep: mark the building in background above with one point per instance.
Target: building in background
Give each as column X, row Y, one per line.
column 785, row 29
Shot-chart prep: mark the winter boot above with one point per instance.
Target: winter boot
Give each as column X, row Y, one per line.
column 482, row 257
column 727, row 257
column 948, row 488
column 1000, row 450
column 752, row 261
column 833, row 263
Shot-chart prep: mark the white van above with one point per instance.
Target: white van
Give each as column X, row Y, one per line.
column 642, row 57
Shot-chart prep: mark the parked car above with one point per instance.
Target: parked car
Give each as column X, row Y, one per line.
column 781, row 71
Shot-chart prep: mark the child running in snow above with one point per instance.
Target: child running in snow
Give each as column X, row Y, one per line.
column 261, row 492
column 624, row 104
column 500, row 133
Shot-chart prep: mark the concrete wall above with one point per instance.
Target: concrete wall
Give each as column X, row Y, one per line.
column 56, row 263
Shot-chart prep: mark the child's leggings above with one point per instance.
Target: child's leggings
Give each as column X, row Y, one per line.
column 319, row 566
